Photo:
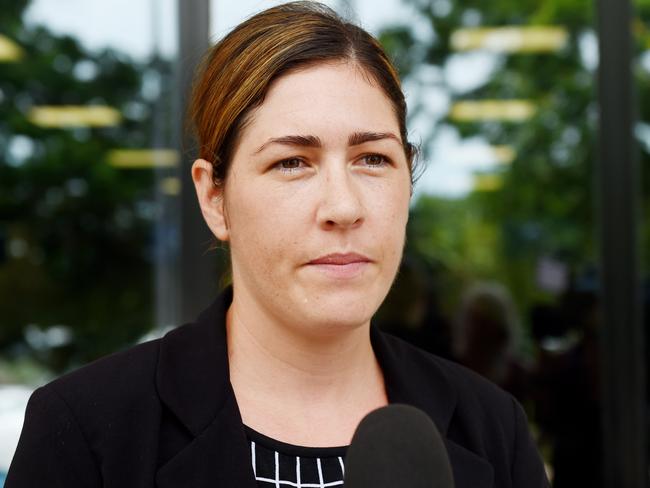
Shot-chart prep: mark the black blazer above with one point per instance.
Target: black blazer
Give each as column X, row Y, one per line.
column 164, row 414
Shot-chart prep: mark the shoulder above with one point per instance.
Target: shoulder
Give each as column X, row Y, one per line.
column 73, row 424
column 103, row 389
column 448, row 377
column 466, row 407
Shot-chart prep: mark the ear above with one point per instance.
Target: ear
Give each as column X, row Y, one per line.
column 211, row 199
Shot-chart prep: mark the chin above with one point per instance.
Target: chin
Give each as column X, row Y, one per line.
column 341, row 310
column 335, row 324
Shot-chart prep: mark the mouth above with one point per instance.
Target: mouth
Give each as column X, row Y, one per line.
column 338, row 259
column 341, row 266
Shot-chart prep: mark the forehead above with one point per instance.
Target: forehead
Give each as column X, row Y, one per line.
column 327, row 100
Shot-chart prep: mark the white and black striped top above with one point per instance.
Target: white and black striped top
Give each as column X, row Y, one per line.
column 281, row 465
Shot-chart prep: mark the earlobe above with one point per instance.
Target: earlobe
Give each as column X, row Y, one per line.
column 211, row 199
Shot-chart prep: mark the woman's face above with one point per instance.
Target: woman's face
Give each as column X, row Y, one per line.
column 316, row 201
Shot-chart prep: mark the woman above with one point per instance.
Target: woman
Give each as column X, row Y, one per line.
column 304, row 170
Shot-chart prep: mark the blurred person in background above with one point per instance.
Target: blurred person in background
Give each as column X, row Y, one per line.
column 567, row 387
column 487, row 335
column 305, row 171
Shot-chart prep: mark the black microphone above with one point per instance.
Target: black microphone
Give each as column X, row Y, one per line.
column 397, row 446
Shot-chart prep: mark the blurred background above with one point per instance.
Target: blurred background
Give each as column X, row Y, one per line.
column 526, row 256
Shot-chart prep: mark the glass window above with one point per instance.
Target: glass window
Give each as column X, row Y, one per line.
column 501, row 264
column 87, row 184
column 501, row 267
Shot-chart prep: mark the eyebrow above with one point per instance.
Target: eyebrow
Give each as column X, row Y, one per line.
column 359, row 138
column 355, row 139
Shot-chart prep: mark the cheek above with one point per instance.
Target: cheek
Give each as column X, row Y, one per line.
column 390, row 214
column 393, row 208
column 263, row 223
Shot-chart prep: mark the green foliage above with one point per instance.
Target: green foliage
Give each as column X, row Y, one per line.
column 545, row 206
column 78, row 230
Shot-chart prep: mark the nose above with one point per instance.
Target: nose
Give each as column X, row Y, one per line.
column 340, row 203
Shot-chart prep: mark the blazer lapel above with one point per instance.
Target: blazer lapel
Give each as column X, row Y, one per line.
column 470, row 470
column 193, row 382
column 416, row 380
column 217, row 458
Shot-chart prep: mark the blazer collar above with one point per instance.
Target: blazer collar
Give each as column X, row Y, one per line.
column 416, row 378
column 192, row 375
column 193, row 382
column 413, row 381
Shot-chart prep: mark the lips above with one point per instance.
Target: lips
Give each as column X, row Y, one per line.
column 338, row 259
column 340, row 266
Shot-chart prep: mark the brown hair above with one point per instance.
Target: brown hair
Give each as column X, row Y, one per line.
column 237, row 72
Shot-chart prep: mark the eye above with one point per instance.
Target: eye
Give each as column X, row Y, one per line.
column 375, row 160
column 289, row 165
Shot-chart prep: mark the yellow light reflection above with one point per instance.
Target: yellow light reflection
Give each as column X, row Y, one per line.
column 503, row 154
column 511, row 39
column 487, row 182
column 170, row 186
column 60, row 116
column 486, row 110
column 143, row 158
column 9, row 50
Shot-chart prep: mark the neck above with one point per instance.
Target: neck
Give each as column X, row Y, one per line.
column 281, row 373
column 295, row 358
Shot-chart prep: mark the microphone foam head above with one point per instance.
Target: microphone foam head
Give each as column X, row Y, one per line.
column 397, row 446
